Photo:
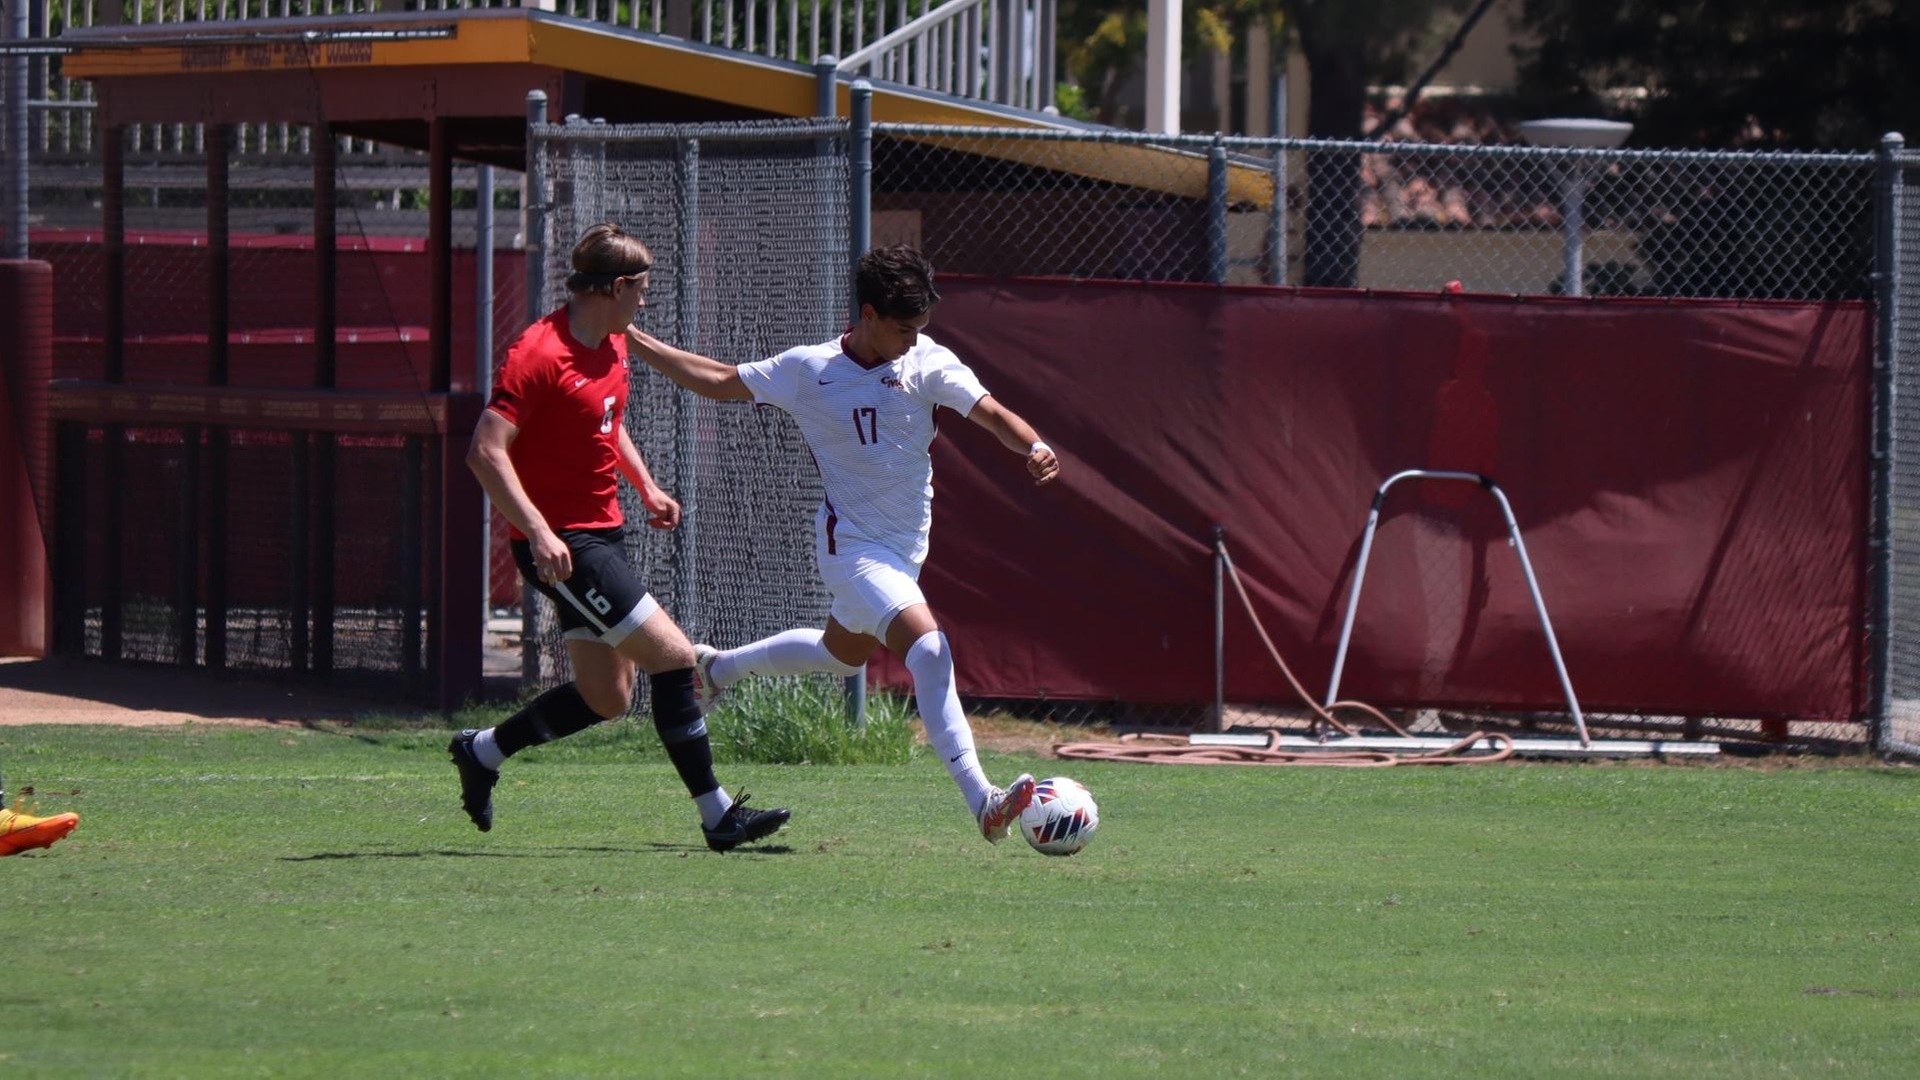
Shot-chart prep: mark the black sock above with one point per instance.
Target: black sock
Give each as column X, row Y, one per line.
column 676, row 716
column 556, row 714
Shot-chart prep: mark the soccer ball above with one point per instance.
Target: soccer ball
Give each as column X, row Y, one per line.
column 1061, row 818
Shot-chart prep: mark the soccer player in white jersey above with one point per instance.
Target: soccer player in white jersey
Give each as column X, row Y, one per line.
column 865, row 403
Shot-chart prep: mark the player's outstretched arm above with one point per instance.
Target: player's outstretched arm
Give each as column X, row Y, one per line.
column 1018, row 436
column 663, row 510
column 702, row 375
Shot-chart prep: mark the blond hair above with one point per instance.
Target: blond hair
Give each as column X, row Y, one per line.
column 605, row 254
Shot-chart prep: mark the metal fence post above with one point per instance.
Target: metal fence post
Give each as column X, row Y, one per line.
column 687, row 536
column 1219, row 628
column 535, row 242
column 1217, row 212
column 1886, row 288
column 860, row 231
column 1573, row 228
column 860, row 222
column 483, row 356
column 17, row 176
column 1277, row 220
column 826, row 74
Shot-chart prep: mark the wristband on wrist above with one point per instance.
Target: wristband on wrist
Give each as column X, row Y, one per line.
column 1037, row 447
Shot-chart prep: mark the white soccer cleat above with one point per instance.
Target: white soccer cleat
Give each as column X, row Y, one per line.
column 1003, row 807
column 704, row 690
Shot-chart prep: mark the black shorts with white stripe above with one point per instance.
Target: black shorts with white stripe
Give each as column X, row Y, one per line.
column 603, row 599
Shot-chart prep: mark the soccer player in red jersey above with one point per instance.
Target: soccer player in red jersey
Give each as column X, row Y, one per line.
column 550, row 450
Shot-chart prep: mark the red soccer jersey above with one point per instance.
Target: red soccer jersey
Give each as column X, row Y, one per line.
column 568, row 401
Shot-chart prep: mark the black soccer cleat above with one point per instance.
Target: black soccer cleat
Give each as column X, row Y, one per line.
column 476, row 780
column 741, row 825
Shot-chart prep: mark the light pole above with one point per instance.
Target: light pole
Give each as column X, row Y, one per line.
column 1163, row 66
column 1575, row 175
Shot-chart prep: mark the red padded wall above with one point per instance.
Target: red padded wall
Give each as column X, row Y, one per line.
column 1689, row 478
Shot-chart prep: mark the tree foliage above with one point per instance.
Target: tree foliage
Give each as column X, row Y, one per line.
column 1720, row 73
column 1103, row 44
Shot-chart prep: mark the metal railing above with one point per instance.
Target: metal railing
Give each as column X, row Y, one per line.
column 1000, row 51
column 61, row 109
column 971, row 49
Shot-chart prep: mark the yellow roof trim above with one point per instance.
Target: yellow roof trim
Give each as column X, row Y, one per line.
column 475, row 41
column 510, row 36
column 1151, row 168
column 741, row 79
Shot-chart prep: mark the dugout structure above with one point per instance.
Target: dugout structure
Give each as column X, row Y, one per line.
column 282, row 496
column 263, row 469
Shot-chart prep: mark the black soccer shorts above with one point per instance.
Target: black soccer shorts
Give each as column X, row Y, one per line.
column 603, row 600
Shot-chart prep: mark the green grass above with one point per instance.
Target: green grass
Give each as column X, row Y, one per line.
column 777, row 721
column 311, row 903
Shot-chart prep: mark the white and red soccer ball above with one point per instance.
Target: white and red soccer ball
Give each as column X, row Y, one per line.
column 1061, row 818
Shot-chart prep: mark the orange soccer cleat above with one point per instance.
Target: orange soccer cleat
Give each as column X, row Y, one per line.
column 1003, row 808
column 23, row 832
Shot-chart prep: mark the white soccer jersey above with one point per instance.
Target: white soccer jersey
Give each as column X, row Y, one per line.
column 869, row 430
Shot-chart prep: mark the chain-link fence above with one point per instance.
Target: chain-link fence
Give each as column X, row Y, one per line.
column 751, row 230
column 748, row 224
column 1503, row 219
column 1391, row 216
column 1898, row 641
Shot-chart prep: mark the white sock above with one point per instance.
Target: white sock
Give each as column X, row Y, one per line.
column 792, row 652
column 931, row 665
column 485, row 752
column 713, row 806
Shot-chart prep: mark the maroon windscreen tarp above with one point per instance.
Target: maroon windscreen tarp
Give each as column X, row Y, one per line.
column 1689, row 477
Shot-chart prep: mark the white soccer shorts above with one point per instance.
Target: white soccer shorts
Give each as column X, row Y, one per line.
column 870, row 585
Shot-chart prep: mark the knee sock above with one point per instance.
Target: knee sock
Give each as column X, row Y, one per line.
column 556, row 714
column 794, row 652
column 676, row 716
column 931, row 664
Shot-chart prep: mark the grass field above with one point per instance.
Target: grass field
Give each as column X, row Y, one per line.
column 290, row 902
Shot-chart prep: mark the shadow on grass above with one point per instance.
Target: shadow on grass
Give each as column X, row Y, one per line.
column 542, row 853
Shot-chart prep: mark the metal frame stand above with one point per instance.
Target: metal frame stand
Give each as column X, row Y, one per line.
column 1526, row 566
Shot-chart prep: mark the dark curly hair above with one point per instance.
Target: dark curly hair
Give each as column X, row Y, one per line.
column 897, row 281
